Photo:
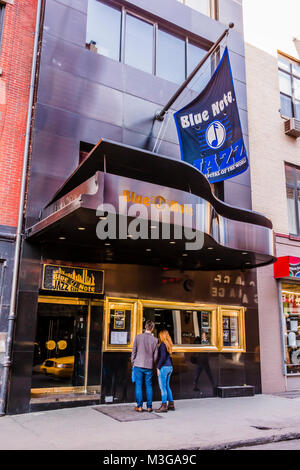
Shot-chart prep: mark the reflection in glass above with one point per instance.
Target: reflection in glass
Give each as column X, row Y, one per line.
column 186, row 327
column 60, row 346
column 286, row 105
column 285, row 84
column 139, row 44
column 170, row 59
column 291, row 210
column 297, row 109
column 291, row 312
column 194, row 56
column 203, row 6
column 296, row 69
column 230, row 331
column 296, row 82
column 290, row 174
column 104, row 29
column 283, row 63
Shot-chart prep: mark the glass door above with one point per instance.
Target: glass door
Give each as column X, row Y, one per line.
column 67, row 348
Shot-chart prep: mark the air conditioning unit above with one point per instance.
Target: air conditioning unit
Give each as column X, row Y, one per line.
column 292, row 127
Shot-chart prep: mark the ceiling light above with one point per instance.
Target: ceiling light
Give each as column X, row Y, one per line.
column 210, row 248
column 148, row 249
column 218, row 259
column 62, row 238
column 172, row 243
column 184, row 254
column 81, row 228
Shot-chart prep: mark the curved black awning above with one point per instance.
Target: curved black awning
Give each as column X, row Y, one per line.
column 233, row 238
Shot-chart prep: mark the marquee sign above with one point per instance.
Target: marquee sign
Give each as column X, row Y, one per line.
column 209, row 128
column 73, row 279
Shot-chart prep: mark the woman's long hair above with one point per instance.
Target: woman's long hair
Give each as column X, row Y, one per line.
column 164, row 337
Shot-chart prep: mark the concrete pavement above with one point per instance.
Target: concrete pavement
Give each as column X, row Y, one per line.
column 210, row 423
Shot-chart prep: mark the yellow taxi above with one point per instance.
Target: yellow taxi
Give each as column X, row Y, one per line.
column 58, row 366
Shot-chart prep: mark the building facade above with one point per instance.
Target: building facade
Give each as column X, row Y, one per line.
column 104, row 70
column 17, row 27
column 273, row 104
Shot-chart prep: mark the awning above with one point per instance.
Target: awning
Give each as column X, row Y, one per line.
column 287, row 266
column 184, row 207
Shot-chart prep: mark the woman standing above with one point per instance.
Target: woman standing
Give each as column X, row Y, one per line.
column 164, row 371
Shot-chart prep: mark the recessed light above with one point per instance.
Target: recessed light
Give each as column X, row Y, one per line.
column 184, row 254
column 148, row 249
column 81, row 228
column 129, row 236
column 244, row 253
column 210, row 248
column 248, row 262
column 172, row 243
column 62, row 238
column 107, row 244
column 218, row 259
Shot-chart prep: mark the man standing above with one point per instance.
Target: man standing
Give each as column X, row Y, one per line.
column 144, row 355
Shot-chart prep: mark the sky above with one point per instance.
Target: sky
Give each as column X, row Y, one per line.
column 272, row 24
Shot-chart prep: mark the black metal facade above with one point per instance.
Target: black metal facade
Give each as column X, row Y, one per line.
column 81, row 97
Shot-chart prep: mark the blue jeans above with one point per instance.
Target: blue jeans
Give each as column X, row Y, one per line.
column 140, row 373
column 164, row 383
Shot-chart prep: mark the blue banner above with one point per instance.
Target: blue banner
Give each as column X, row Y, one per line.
column 209, row 128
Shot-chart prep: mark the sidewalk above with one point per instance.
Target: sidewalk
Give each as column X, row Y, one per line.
column 211, row 423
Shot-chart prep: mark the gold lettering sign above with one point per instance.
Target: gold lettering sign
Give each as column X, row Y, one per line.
column 159, row 201
column 73, row 279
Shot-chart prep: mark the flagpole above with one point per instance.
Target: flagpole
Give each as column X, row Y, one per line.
column 160, row 115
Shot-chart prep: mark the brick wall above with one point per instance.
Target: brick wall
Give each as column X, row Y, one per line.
column 15, row 62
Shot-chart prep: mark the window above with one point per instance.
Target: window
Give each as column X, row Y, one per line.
column 232, row 329
column 203, row 6
column 289, row 85
column 291, row 318
column 186, row 327
column 119, row 325
column 141, row 43
column 292, row 175
column 170, row 58
column 192, row 327
column 103, row 29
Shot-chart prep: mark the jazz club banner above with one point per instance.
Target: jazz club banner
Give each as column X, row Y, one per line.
column 209, row 128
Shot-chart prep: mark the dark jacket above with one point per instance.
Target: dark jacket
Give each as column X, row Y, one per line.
column 164, row 358
column 145, row 351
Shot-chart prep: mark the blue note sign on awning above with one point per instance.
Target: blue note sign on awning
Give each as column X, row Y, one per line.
column 209, row 128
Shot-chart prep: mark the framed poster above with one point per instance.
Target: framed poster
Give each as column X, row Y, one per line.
column 119, row 319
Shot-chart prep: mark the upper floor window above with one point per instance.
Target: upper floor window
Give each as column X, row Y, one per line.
column 289, row 84
column 142, row 43
column 292, row 175
column 203, row 6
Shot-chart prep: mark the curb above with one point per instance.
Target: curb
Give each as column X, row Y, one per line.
column 251, row 442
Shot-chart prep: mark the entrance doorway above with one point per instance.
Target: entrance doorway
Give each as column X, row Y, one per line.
column 67, row 348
